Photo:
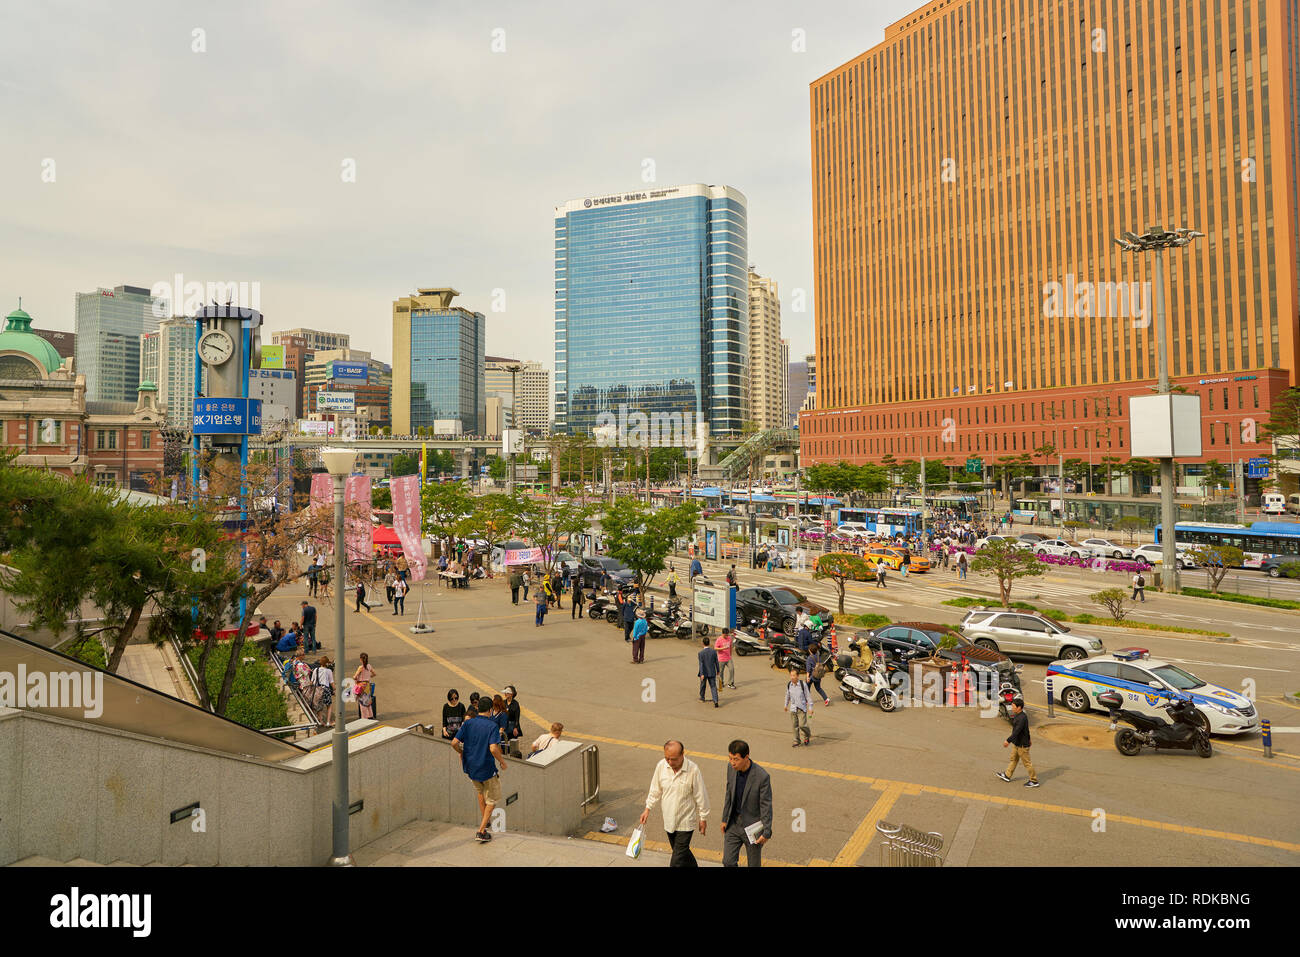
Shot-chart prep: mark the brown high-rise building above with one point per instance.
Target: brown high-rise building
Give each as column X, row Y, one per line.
column 970, row 175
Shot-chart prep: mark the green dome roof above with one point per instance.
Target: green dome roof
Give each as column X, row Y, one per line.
column 18, row 337
column 147, row 386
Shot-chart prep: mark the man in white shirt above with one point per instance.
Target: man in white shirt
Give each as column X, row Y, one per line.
column 678, row 784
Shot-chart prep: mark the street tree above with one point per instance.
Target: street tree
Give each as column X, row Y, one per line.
column 1131, row 525
column 1217, row 560
column 443, row 505
column 1116, row 601
column 642, row 539
column 1007, row 563
column 549, row 524
column 404, row 464
column 840, row 568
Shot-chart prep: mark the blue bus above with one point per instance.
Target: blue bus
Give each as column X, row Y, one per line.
column 1257, row 541
column 885, row 522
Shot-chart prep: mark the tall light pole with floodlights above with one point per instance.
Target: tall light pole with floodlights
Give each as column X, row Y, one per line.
column 339, row 463
column 1157, row 240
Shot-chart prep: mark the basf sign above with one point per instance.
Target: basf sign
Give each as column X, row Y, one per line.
column 349, row 372
column 336, row 402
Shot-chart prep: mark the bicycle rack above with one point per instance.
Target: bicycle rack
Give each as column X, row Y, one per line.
column 903, row 846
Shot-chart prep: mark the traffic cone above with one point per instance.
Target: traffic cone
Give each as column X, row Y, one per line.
column 834, row 645
column 966, row 681
column 950, row 689
column 762, row 629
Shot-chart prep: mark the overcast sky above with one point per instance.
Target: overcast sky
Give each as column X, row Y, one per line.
column 227, row 165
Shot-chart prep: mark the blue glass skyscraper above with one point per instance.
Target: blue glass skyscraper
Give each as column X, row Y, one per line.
column 652, row 306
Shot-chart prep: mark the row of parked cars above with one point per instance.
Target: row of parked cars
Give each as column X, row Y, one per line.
column 1078, row 665
column 1149, row 554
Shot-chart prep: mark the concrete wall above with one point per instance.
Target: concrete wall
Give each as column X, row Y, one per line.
column 70, row 790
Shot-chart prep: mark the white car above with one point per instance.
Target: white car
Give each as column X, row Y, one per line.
column 1146, row 684
column 854, row 529
column 1062, row 547
column 999, row 538
column 1154, row 554
column 1105, row 548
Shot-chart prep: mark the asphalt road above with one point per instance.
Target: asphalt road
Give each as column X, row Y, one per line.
column 932, row 768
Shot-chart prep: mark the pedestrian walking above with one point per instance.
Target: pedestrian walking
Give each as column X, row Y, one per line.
column 323, row 679
column 708, row 670
column 697, row 570
column 678, row 786
column 309, row 627
column 513, row 724
column 313, row 579
column 639, row 629
column 361, row 597
column 798, row 703
column 961, row 566
column 1139, row 588
column 1019, row 739
column 628, row 612
column 726, row 666
column 363, row 687
column 880, row 574
column 478, row 742
column 731, row 577
column 516, row 582
column 389, row 581
column 579, row 596
column 816, row 669
column 540, row 605
column 548, row 589
column 673, row 581
column 399, row 596
column 748, row 801
column 527, row 581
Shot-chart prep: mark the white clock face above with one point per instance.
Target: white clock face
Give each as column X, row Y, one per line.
column 216, row 347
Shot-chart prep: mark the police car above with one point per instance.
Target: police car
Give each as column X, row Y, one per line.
column 1146, row 685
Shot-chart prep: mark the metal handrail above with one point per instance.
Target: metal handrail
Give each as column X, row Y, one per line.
column 296, row 691
column 292, row 728
column 188, row 667
column 903, row 846
column 594, row 762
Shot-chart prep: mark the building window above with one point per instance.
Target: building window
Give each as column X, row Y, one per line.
column 106, row 479
column 49, row 432
column 106, row 438
column 145, row 436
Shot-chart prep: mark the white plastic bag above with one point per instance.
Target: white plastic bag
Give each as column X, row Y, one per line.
column 634, row 845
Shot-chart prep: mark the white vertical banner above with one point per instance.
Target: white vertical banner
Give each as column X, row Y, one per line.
column 407, row 522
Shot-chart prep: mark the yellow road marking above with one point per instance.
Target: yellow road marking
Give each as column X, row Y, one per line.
column 876, row 783
column 857, row 843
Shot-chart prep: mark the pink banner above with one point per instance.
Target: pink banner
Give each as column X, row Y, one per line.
column 358, row 543
column 406, row 522
column 525, row 556
column 322, row 496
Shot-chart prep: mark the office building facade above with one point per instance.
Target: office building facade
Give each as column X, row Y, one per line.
column 372, row 397
column 167, row 360
column 767, row 372
column 532, row 392
column 438, row 363
column 300, row 346
column 651, row 307
column 970, row 176
column 109, row 324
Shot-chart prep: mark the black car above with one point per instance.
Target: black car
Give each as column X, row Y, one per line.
column 600, row 571
column 906, row 640
column 1272, row 567
column 781, row 604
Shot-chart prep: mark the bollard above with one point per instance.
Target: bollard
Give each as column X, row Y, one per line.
column 1268, row 738
column 1051, row 711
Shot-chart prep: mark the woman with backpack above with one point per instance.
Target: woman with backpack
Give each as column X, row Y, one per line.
column 363, row 686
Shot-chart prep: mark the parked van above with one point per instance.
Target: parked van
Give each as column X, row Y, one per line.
column 1272, row 503
column 1293, row 504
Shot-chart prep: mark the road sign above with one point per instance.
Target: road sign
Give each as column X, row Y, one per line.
column 974, row 466
column 1257, row 468
column 227, row 416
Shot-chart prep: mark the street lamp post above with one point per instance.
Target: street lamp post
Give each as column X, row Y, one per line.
column 339, row 464
column 1157, row 240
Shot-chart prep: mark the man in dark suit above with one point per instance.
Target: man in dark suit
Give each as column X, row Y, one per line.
column 708, row 670
column 748, row 801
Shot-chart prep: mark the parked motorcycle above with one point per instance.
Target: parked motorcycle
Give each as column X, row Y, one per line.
column 748, row 642
column 602, row 606
column 662, row 624
column 870, row 685
column 1185, row 732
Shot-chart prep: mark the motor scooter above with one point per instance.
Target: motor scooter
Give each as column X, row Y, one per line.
column 870, row 685
column 1185, row 732
column 602, row 606
column 747, row 641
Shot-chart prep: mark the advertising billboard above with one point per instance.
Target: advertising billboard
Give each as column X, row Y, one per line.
column 713, row 606
column 227, row 416
column 349, row 372
column 336, row 402
column 272, row 357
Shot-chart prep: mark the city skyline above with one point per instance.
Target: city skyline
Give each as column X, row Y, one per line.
column 328, row 254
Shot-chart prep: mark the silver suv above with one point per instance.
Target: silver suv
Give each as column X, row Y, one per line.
column 1027, row 634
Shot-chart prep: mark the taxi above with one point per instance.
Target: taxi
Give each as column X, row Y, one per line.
column 1147, row 684
column 893, row 558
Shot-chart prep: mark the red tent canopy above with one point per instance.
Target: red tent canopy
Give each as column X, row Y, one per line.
column 385, row 536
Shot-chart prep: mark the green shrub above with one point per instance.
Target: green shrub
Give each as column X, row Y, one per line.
column 1242, row 599
column 255, row 700
column 1290, row 569
column 867, row 621
column 89, row 651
